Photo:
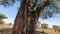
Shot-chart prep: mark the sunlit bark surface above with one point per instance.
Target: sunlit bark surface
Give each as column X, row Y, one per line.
column 25, row 20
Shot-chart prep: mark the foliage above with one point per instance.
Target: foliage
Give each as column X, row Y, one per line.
column 50, row 10
column 7, row 2
column 55, row 27
column 52, row 3
column 59, row 28
column 1, row 22
column 2, row 16
column 44, row 25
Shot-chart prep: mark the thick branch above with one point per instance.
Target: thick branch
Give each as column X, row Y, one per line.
column 34, row 4
column 41, row 7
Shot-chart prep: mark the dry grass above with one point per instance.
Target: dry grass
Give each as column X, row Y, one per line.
column 2, row 26
column 38, row 30
column 6, row 29
column 49, row 31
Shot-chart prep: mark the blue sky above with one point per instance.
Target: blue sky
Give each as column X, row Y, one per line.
column 55, row 20
column 11, row 12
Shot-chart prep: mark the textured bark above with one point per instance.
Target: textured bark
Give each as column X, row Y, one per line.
column 26, row 20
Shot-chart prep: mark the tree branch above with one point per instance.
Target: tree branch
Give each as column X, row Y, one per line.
column 34, row 4
column 41, row 7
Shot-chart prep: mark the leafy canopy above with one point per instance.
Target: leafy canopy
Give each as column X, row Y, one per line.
column 45, row 15
column 55, row 26
column 11, row 2
column 44, row 25
column 2, row 16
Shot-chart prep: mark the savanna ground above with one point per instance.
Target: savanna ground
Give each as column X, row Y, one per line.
column 47, row 31
column 7, row 29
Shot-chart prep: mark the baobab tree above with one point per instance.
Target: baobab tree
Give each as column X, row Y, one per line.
column 27, row 17
column 28, row 14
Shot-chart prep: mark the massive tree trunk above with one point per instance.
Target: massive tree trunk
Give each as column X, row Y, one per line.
column 26, row 20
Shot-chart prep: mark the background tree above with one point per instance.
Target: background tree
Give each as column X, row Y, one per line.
column 44, row 26
column 10, row 23
column 59, row 28
column 28, row 14
column 55, row 27
column 38, row 24
column 2, row 16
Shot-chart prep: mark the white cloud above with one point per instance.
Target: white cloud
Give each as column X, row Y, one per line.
column 7, row 21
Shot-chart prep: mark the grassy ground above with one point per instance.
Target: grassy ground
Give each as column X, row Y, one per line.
column 2, row 26
column 6, row 29
column 47, row 31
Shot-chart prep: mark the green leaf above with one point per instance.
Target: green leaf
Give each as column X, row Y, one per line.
column 44, row 25
column 1, row 22
column 53, row 2
column 2, row 16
